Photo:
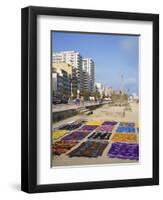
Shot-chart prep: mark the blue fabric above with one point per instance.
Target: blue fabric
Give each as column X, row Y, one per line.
column 121, row 129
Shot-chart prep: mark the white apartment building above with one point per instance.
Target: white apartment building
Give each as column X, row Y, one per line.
column 74, row 59
column 104, row 90
column 85, row 81
column 99, row 87
column 89, row 67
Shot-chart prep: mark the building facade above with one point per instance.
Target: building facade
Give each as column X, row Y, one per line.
column 85, row 81
column 89, row 67
column 61, row 79
column 104, row 90
column 74, row 59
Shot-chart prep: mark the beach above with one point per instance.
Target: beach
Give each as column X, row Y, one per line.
column 104, row 113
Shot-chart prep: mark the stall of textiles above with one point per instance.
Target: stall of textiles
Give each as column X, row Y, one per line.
column 124, row 151
column 60, row 147
column 89, row 149
column 93, row 137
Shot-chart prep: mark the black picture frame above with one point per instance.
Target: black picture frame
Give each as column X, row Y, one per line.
column 29, row 99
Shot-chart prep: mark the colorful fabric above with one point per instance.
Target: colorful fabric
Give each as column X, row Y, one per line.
column 60, row 147
column 106, row 128
column 125, row 137
column 89, row 149
column 129, row 129
column 129, row 124
column 92, row 123
column 100, row 135
column 71, row 126
column 110, row 123
column 88, row 128
column 124, row 151
column 58, row 133
column 76, row 135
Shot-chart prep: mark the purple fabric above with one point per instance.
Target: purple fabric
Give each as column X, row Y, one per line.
column 110, row 123
column 88, row 128
column 107, row 128
column 76, row 135
column 124, row 151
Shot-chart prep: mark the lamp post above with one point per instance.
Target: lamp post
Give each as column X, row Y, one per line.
column 71, row 90
column 78, row 94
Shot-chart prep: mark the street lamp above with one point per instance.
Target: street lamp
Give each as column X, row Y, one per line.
column 78, row 92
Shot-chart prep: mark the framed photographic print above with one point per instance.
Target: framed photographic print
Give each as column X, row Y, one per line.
column 90, row 99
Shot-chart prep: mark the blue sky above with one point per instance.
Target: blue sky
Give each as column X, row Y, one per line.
column 114, row 55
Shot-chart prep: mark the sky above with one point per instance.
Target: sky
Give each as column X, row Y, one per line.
column 115, row 56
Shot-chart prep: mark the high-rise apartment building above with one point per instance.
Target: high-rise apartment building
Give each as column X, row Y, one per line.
column 104, row 90
column 89, row 66
column 85, row 82
column 75, row 60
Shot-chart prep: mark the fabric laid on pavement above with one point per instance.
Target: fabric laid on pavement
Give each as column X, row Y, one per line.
column 125, row 137
column 76, row 135
column 89, row 149
column 125, row 129
column 129, row 124
column 71, row 126
column 124, row 151
column 100, row 135
column 60, row 147
column 94, row 123
column 110, row 123
column 107, row 128
column 58, row 133
column 88, row 128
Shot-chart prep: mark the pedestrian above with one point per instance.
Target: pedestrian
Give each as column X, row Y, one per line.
column 82, row 100
column 77, row 101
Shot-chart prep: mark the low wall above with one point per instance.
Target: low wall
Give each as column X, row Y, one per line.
column 94, row 107
column 60, row 115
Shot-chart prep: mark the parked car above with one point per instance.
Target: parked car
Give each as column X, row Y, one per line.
column 59, row 100
column 64, row 100
column 56, row 100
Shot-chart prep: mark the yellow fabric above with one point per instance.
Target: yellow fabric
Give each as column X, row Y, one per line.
column 94, row 123
column 125, row 137
column 57, row 134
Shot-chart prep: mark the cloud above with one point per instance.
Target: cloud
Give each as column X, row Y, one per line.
column 129, row 44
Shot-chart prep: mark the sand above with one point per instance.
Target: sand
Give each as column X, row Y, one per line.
column 105, row 113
